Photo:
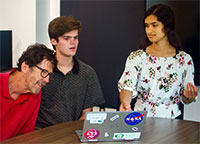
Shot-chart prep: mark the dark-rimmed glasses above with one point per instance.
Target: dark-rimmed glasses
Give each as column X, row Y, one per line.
column 44, row 73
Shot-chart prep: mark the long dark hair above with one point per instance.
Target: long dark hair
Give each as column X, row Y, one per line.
column 165, row 15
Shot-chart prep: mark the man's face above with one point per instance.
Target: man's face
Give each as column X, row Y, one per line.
column 36, row 79
column 67, row 44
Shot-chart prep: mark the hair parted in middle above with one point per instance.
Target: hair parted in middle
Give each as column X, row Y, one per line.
column 165, row 15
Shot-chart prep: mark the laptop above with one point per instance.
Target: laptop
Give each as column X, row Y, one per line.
column 112, row 126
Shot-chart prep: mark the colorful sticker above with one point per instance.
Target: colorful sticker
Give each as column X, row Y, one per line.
column 134, row 118
column 119, row 136
column 96, row 118
column 126, row 136
column 91, row 134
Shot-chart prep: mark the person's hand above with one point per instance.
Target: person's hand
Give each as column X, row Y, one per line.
column 190, row 92
column 125, row 99
column 125, row 107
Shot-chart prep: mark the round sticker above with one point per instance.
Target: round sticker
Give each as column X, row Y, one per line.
column 91, row 134
column 133, row 118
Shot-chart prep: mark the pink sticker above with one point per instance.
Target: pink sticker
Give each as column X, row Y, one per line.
column 91, row 134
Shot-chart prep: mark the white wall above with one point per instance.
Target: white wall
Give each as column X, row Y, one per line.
column 46, row 10
column 20, row 17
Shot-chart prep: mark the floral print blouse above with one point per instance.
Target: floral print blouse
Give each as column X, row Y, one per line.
column 157, row 81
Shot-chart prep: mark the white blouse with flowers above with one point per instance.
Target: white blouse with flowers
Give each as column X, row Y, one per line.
column 157, row 81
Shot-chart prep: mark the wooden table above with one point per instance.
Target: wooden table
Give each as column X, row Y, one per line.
column 159, row 131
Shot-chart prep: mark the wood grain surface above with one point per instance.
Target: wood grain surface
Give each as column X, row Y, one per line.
column 159, row 131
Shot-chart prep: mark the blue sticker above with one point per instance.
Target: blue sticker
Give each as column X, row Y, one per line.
column 134, row 118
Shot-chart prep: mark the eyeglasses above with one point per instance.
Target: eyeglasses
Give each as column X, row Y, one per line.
column 44, row 73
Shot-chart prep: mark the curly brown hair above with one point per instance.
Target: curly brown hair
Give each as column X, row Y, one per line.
column 35, row 54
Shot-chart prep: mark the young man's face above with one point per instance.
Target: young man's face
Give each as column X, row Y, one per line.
column 37, row 77
column 67, row 44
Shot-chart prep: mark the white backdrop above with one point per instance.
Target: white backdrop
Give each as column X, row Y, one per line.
column 28, row 21
column 19, row 16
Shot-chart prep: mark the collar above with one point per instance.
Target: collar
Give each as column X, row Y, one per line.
column 6, row 82
column 75, row 68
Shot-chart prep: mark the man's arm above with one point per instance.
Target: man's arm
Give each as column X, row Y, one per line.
column 83, row 113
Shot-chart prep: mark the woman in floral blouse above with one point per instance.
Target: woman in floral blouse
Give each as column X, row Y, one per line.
column 159, row 74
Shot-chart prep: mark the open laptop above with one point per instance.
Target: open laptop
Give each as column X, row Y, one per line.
column 112, row 126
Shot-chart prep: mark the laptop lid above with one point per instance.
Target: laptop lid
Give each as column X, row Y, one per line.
column 113, row 126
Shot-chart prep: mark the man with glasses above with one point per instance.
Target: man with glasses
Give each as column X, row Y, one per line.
column 75, row 87
column 20, row 90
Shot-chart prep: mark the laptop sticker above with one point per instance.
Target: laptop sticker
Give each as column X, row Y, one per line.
column 114, row 117
column 118, row 136
column 106, row 134
column 96, row 118
column 134, row 118
column 135, row 129
column 126, row 136
column 91, row 134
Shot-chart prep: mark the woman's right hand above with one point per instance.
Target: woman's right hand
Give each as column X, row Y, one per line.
column 125, row 99
column 125, row 107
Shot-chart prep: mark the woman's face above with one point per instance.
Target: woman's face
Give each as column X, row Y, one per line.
column 154, row 29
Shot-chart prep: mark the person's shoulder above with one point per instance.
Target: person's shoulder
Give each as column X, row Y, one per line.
column 6, row 73
column 2, row 74
column 137, row 54
column 85, row 67
column 184, row 54
column 36, row 97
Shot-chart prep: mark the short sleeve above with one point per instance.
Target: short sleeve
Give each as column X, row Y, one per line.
column 188, row 75
column 130, row 76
